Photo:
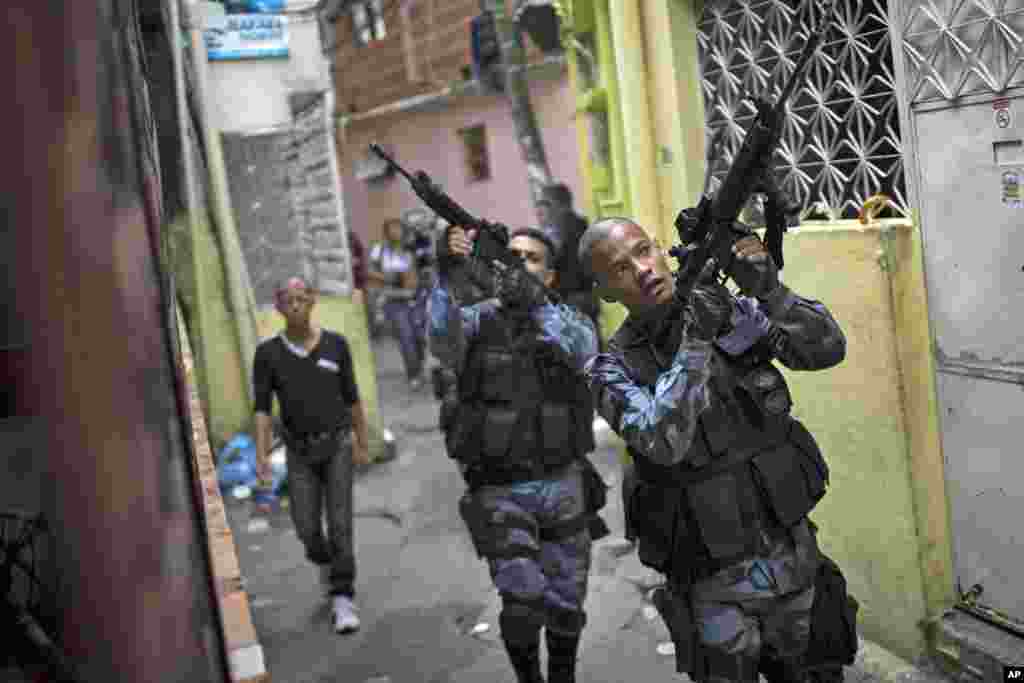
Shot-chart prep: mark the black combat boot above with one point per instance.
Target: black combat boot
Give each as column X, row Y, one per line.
column 525, row 661
column 520, row 630
column 561, row 656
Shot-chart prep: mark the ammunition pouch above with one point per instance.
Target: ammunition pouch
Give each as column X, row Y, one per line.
column 463, row 431
column 765, row 387
column 652, row 512
column 675, row 610
column 793, row 481
column 833, row 640
column 726, row 506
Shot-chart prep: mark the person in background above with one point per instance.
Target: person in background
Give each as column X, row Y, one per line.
column 565, row 227
column 392, row 269
column 357, row 252
column 310, row 370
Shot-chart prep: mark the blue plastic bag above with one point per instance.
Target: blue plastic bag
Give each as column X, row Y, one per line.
column 236, row 463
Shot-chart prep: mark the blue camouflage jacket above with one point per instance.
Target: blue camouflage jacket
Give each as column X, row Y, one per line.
column 452, row 328
column 660, row 423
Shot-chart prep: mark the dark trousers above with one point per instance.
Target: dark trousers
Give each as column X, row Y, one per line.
column 628, row 486
column 311, row 488
column 409, row 319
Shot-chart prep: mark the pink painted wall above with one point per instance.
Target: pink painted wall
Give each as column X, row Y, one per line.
column 429, row 141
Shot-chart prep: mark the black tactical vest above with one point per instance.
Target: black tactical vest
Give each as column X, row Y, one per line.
column 521, row 413
column 752, row 472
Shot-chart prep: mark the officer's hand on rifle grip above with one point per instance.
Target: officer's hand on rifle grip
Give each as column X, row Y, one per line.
column 708, row 311
column 752, row 267
column 455, row 246
column 459, row 243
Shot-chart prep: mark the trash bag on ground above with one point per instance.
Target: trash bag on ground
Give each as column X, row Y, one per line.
column 236, row 465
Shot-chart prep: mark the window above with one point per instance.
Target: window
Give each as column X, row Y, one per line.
column 367, row 21
column 474, row 145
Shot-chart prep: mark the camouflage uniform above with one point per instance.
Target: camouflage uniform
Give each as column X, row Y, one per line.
column 527, row 503
column 701, row 416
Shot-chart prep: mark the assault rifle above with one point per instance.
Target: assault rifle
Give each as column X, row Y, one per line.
column 709, row 229
column 491, row 243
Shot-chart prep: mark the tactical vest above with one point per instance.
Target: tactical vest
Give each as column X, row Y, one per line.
column 521, row 413
column 752, row 472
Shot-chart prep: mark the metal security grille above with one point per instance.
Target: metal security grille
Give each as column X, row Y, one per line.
column 952, row 49
column 841, row 143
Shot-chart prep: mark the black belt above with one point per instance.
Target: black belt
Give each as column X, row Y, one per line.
column 313, row 438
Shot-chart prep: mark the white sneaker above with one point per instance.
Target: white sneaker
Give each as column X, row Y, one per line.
column 346, row 620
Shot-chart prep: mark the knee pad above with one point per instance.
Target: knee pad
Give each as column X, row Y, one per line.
column 520, row 621
column 566, row 621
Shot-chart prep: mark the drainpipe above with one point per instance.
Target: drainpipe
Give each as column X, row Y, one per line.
column 192, row 203
column 239, row 285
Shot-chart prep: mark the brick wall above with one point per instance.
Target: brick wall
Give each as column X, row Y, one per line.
column 376, row 74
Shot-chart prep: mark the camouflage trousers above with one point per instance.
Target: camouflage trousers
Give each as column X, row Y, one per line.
column 549, row 575
column 758, row 606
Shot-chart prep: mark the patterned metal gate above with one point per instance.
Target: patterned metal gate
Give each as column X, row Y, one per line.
column 963, row 65
column 936, row 124
column 842, row 143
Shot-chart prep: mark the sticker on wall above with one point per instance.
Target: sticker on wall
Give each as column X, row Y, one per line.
column 1003, row 117
column 1011, row 191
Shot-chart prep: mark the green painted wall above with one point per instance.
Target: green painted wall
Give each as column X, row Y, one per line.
column 202, row 290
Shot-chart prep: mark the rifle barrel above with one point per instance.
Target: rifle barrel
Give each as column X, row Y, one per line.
column 375, row 148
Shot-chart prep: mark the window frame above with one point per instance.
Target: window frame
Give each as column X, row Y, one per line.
column 371, row 27
column 477, row 170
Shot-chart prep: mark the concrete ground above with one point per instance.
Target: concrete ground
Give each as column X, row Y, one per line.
column 428, row 609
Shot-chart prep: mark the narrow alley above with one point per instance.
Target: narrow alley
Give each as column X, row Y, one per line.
column 428, row 609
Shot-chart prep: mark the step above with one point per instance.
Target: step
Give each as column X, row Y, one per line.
column 984, row 648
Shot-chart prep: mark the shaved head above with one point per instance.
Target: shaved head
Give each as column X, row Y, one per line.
column 627, row 264
column 598, row 232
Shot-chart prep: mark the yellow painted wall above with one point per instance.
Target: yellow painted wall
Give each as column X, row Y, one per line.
column 885, row 519
column 905, row 263
column 868, row 520
column 347, row 316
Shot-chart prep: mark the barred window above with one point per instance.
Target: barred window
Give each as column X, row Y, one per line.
column 474, row 146
column 841, row 142
column 367, row 21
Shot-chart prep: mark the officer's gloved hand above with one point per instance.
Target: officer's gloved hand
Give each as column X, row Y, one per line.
column 518, row 289
column 708, row 311
column 752, row 267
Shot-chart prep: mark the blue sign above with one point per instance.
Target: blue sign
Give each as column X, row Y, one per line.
column 253, row 6
column 246, row 36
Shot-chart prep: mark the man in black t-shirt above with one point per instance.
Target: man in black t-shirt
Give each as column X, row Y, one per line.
column 310, row 371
